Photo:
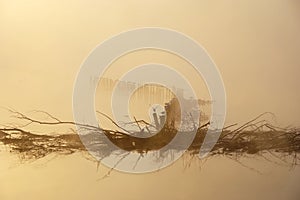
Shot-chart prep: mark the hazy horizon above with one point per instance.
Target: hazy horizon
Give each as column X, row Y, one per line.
column 254, row 44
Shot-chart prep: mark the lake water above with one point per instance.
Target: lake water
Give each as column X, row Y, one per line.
column 75, row 177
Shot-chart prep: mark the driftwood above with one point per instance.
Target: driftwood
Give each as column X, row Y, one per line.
column 255, row 137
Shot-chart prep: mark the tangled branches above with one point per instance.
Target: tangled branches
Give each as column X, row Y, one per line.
column 255, row 137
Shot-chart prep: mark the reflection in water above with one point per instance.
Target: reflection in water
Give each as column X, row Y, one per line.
column 72, row 177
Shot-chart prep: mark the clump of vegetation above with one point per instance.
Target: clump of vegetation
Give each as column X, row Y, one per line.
column 255, row 137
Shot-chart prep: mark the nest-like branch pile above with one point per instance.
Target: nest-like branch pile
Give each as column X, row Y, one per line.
column 252, row 138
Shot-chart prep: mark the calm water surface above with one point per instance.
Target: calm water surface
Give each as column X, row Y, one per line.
column 75, row 177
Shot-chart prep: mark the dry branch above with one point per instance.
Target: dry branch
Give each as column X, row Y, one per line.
column 252, row 138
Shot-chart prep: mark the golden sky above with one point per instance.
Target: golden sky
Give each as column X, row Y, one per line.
column 255, row 45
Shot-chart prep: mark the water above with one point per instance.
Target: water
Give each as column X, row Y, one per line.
column 75, row 177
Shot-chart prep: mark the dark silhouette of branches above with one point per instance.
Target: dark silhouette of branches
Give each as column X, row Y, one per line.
column 255, row 137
